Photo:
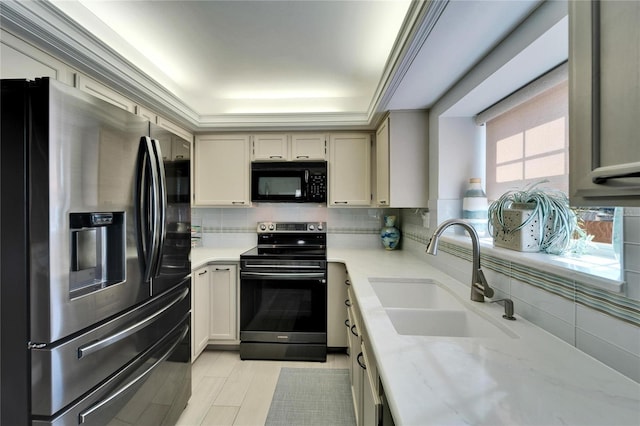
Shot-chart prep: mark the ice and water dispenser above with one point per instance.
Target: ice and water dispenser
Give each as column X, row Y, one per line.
column 97, row 251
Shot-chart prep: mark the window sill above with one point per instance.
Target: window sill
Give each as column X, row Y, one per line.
column 595, row 271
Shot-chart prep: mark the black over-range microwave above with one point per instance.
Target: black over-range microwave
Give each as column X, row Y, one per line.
column 289, row 181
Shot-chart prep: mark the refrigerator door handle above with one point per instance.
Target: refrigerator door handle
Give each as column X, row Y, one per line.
column 161, row 201
column 147, row 207
column 85, row 415
column 96, row 345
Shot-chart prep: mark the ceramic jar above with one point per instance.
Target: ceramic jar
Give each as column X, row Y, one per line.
column 389, row 234
column 475, row 207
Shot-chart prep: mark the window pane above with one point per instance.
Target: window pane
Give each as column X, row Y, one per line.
column 549, row 165
column 509, row 172
column 509, row 149
column 545, row 138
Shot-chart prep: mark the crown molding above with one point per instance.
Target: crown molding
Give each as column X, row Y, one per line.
column 46, row 27
column 49, row 29
column 421, row 19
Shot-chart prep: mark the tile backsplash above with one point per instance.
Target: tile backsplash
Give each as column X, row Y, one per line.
column 345, row 226
column 603, row 324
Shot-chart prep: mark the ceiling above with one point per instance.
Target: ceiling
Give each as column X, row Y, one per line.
column 300, row 63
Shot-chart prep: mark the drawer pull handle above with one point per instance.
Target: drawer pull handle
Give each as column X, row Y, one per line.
column 348, row 303
column 347, row 282
column 355, row 333
column 346, row 322
column 360, row 361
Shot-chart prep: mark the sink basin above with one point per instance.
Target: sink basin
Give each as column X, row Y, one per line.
column 413, row 293
column 445, row 323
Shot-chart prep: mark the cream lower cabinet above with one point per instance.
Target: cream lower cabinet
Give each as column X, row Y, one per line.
column 604, row 103
column 363, row 371
column 336, row 305
column 349, row 170
column 222, row 170
column 224, row 303
column 200, row 311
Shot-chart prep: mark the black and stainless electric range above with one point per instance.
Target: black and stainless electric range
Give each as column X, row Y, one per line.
column 283, row 293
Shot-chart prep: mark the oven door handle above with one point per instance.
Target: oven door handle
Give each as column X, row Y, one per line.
column 283, row 276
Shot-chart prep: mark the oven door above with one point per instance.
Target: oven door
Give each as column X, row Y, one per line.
column 283, row 307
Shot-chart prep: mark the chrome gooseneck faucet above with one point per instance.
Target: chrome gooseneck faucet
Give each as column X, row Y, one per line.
column 479, row 286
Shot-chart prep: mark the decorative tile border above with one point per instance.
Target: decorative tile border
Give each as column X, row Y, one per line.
column 612, row 304
column 609, row 303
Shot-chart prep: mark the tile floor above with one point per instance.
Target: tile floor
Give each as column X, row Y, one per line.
column 228, row 391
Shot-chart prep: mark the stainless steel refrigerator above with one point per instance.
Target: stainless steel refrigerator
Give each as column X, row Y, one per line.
column 95, row 297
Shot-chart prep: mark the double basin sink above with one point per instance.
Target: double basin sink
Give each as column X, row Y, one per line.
column 424, row 307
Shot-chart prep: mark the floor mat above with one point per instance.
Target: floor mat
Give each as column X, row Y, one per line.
column 312, row 396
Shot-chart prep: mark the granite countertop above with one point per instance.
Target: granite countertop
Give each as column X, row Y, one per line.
column 535, row 379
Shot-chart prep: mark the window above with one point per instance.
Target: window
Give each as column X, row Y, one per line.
column 529, row 143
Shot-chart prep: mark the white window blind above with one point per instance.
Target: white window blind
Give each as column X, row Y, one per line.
column 529, row 143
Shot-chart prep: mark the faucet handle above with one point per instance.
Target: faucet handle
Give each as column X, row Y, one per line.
column 483, row 285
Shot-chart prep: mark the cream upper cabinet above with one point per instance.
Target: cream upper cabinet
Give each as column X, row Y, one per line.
column 224, row 303
column 270, row 147
column 222, row 170
column 100, row 91
column 308, row 147
column 604, row 103
column 288, row 147
column 349, row 169
column 381, row 192
column 22, row 60
column 401, row 159
column 200, row 311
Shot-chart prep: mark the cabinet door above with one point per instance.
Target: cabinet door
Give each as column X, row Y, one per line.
column 200, row 312
column 336, row 305
column 180, row 148
column 270, row 147
column 103, row 92
column 22, row 60
column 224, row 302
column 147, row 114
column 382, row 164
column 349, row 170
column 604, row 103
column 174, row 128
column 308, row 147
column 355, row 356
column 371, row 404
column 222, row 173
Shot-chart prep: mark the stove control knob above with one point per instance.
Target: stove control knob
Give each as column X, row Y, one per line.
column 271, row 227
column 263, row 227
column 311, row 227
column 319, row 227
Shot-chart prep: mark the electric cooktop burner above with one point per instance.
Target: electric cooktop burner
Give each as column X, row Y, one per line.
column 289, row 240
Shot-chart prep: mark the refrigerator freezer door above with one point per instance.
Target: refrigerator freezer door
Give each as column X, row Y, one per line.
column 82, row 163
column 174, row 263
